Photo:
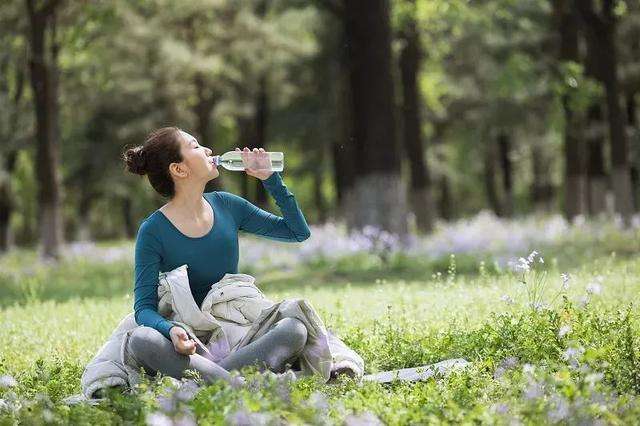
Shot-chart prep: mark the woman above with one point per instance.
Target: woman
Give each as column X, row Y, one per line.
column 201, row 230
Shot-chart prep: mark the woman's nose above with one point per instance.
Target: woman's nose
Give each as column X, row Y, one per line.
column 210, row 151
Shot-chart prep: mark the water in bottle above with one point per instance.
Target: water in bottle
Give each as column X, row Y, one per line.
column 232, row 160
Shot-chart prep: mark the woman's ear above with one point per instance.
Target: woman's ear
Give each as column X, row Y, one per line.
column 178, row 170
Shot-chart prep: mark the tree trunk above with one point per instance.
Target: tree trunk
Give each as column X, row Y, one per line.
column 318, row 195
column 634, row 149
column 490, row 173
column 597, row 178
column 205, row 103
column 127, row 215
column 261, row 115
column 245, row 133
column 420, row 199
column 44, row 81
column 600, row 30
column 7, row 202
column 343, row 146
column 377, row 197
column 6, row 199
column 446, row 200
column 575, row 194
column 504, row 149
column 542, row 190
column 84, row 212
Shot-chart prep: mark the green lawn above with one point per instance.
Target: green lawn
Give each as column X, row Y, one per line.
column 569, row 362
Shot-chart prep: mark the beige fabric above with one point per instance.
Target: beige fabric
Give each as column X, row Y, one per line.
column 233, row 314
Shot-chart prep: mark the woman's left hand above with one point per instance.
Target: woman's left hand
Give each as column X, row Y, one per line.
column 256, row 163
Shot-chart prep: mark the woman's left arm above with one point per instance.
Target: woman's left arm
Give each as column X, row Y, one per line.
column 291, row 227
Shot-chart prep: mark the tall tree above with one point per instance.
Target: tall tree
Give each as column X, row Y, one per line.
column 14, row 123
column 566, row 20
column 629, row 43
column 334, row 42
column 596, row 170
column 506, row 166
column 377, row 197
column 43, row 67
column 600, row 31
column 411, row 56
column 261, row 113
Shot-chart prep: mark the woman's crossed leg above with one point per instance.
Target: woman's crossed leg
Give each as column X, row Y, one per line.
column 282, row 343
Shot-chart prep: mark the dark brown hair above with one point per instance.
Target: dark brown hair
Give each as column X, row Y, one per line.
column 152, row 158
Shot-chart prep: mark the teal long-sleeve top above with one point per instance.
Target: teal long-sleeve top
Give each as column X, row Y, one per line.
column 161, row 247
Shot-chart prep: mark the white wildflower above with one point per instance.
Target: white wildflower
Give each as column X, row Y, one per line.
column 243, row 417
column 499, row 372
column 533, row 391
column 538, row 306
column 166, row 403
column 48, row 416
column 158, row 419
column 367, row 418
column 319, row 401
column 7, row 381
column 573, row 353
column 500, row 408
column 565, row 281
column 509, row 362
column 564, row 330
column 583, row 301
column 593, row 378
column 594, row 288
column 523, row 265
column 507, row 299
column 187, row 391
column 560, row 410
column 528, row 369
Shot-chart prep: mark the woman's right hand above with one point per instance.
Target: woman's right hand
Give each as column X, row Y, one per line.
column 181, row 341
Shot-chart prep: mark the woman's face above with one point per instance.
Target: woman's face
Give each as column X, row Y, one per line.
column 197, row 158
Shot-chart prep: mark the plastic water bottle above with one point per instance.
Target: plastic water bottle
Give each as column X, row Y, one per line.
column 232, row 160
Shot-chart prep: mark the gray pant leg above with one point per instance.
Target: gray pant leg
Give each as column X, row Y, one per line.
column 284, row 341
column 156, row 353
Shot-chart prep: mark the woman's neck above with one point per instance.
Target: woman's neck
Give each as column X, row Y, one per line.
column 188, row 201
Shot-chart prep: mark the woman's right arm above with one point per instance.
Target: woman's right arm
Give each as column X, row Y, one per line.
column 147, row 266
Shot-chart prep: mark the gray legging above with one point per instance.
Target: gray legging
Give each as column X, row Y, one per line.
column 279, row 346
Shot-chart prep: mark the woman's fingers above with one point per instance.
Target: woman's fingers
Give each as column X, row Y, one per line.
column 188, row 346
column 185, row 347
column 247, row 158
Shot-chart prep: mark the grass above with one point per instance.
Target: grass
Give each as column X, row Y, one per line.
column 408, row 312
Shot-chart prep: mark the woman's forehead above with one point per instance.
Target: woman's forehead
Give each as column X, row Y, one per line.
column 187, row 137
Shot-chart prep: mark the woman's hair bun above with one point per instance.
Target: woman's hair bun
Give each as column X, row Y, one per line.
column 135, row 161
